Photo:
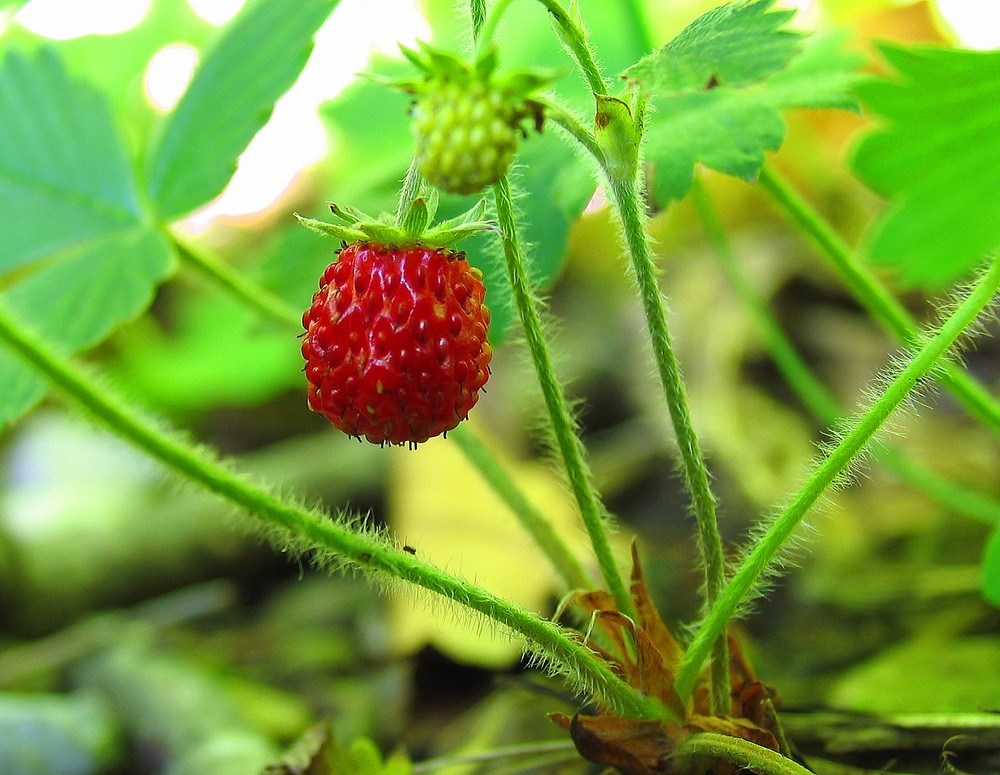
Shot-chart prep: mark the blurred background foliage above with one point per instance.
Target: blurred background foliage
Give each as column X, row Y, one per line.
column 143, row 630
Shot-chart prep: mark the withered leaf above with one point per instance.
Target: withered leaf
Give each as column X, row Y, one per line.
column 631, row 747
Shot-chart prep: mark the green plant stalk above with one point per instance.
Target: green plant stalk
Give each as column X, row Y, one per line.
column 872, row 295
column 484, row 25
column 294, row 524
column 826, row 473
column 570, row 446
column 247, row 291
column 576, row 42
column 570, row 571
column 707, row 746
column 621, row 168
column 820, row 402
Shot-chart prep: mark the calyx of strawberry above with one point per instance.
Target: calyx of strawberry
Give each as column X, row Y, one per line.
column 414, row 225
column 437, row 65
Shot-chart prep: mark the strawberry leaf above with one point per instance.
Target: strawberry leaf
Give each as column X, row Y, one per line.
column 938, row 158
column 77, row 253
column 254, row 61
column 717, row 91
column 736, row 44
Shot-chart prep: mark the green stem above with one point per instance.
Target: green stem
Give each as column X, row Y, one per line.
column 574, row 39
column 483, row 32
column 820, row 402
column 534, row 522
column 570, row 446
column 573, row 126
column 826, row 474
column 247, row 291
column 709, row 746
column 293, row 525
column 477, row 15
column 627, row 201
column 872, row 295
column 408, row 192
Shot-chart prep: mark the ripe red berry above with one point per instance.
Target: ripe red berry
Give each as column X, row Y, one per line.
column 395, row 342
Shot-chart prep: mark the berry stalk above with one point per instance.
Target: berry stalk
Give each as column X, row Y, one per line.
column 619, row 136
column 297, row 528
column 839, row 459
column 570, row 447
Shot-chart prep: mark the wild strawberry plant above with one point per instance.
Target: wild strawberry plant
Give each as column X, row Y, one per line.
column 395, row 339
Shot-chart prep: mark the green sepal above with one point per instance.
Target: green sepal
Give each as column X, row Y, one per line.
column 415, row 228
column 331, row 229
column 437, row 65
column 468, row 224
column 420, row 214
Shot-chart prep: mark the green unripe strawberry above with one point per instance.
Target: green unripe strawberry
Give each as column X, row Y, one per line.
column 467, row 120
column 466, row 135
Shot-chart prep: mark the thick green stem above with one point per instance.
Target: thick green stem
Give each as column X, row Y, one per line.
column 621, row 170
column 708, row 746
column 814, row 395
column 570, row 447
column 836, row 462
column 295, row 525
column 872, row 295
column 574, row 39
column 534, row 522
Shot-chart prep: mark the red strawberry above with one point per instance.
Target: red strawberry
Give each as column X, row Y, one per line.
column 395, row 342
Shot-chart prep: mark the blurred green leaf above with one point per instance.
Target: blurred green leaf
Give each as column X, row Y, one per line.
column 929, row 674
column 77, row 254
column 991, row 568
column 43, row 734
column 737, row 44
column 64, row 174
column 255, row 60
column 217, row 352
column 729, row 128
column 123, row 85
column 938, row 158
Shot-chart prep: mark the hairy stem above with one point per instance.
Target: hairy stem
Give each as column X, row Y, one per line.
column 570, row 447
column 837, row 460
column 576, row 42
column 623, row 179
column 810, row 390
column 534, row 522
column 744, row 755
column 872, row 295
column 295, row 524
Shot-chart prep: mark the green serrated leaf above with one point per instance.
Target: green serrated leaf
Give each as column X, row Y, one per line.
column 58, row 185
column 730, row 129
column 735, row 44
column 991, row 569
column 78, row 299
column 254, row 61
column 77, row 254
column 938, row 159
